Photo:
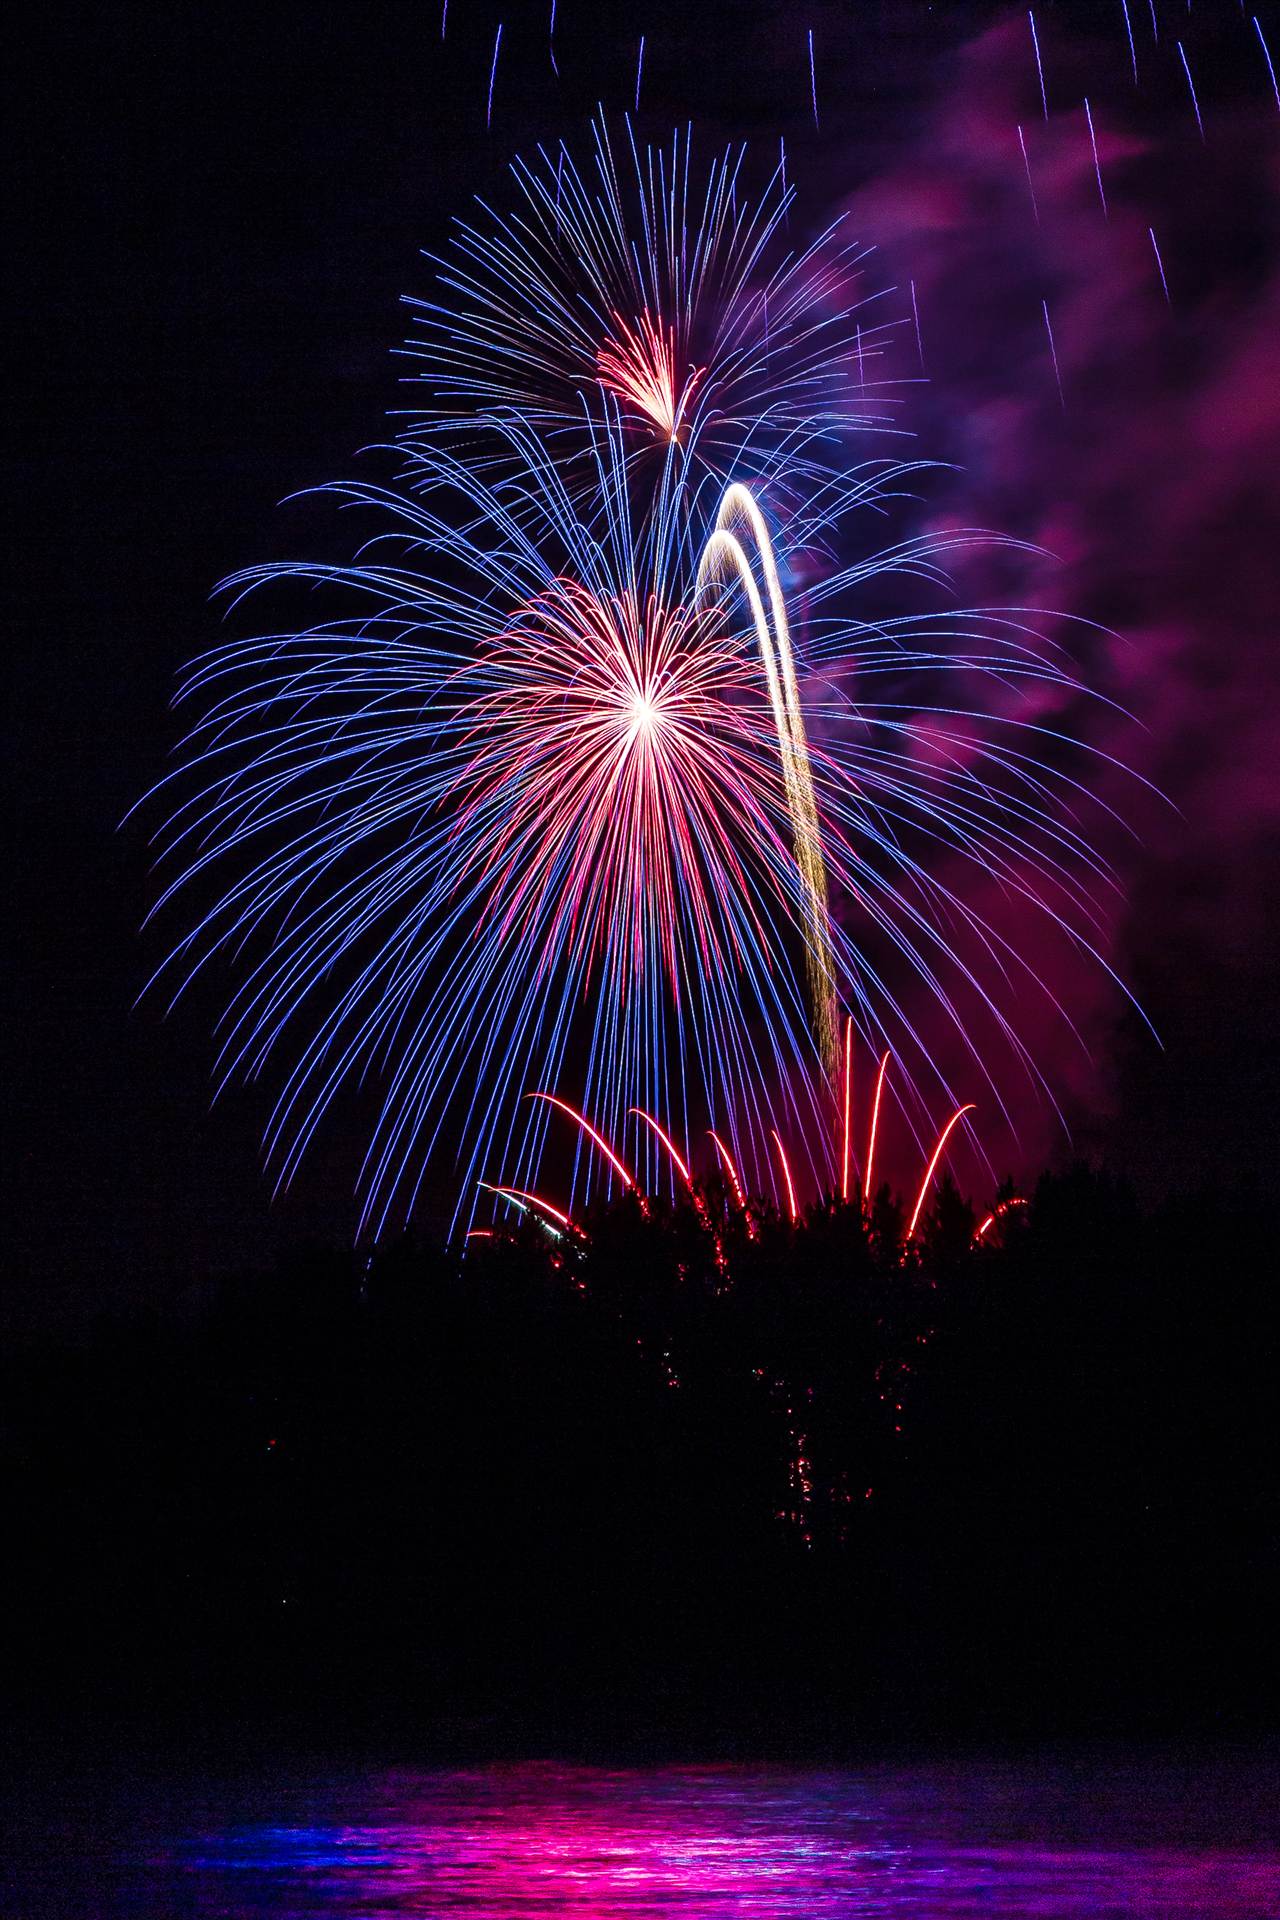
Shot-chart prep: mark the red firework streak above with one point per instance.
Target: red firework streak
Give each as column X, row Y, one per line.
column 639, row 366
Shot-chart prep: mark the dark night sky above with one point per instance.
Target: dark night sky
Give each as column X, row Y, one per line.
column 219, row 210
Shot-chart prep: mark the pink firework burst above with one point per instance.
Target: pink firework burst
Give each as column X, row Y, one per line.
column 614, row 781
column 639, row 366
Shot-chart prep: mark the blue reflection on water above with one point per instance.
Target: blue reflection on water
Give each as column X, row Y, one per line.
column 1050, row 1841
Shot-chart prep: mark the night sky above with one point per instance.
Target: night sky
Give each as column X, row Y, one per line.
column 219, row 211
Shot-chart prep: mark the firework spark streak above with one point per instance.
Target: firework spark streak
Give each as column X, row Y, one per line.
column 527, row 1202
column 532, row 1203
column 1053, row 354
column 553, row 790
column 793, row 1212
column 1266, row 54
column 638, row 364
column 1035, row 42
column 1097, row 164
column 727, row 1162
column 848, row 1097
column 493, row 74
column 1191, row 88
column 1133, row 51
column 1155, row 248
column 679, row 1162
column 868, row 1188
column 1030, row 183
column 725, row 554
column 997, row 1213
column 932, row 1168
column 597, row 1139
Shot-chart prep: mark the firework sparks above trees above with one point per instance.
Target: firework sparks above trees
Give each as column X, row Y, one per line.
column 730, row 1194
column 582, row 776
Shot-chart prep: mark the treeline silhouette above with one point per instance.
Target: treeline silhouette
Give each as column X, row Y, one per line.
column 683, row 1476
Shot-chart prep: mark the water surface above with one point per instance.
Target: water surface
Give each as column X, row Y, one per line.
column 1166, row 1841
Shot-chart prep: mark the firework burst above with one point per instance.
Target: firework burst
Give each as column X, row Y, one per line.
column 639, row 367
column 673, row 291
column 552, row 794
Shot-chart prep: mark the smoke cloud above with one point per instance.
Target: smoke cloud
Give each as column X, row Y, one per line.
column 1145, row 465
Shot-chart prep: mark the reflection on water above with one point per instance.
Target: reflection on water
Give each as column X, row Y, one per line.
column 692, row 1843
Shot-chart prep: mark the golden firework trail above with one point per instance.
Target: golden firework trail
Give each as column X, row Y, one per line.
column 739, row 524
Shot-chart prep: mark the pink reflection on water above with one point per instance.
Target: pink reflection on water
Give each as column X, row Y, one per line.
column 690, row 1844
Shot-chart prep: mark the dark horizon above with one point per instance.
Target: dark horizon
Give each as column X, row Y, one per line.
column 676, row 1486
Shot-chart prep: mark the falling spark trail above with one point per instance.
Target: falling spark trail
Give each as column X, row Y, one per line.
column 1155, row 24
column 444, row 18
column 1053, row 353
column 1133, row 51
column 1266, row 54
column 731, row 1169
column 915, row 315
column 580, row 1120
column 1182, row 55
column 997, row 1213
column 639, row 72
column 1035, row 41
column 736, row 1184
column 786, row 1175
column 526, row 1200
column 677, row 1158
column 724, row 555
column 493, row 74
column 1160, row 264
column 930, row 1170
column 681, row 1164
column 848, row 1088
column 868, row 1192
column 1097, row 168
column 1030, row 182
column 813, row 79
